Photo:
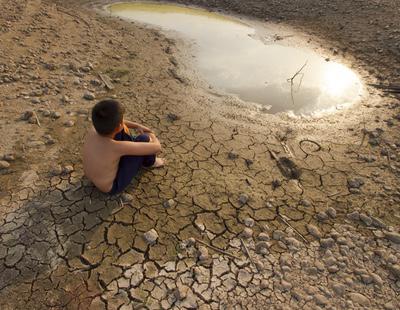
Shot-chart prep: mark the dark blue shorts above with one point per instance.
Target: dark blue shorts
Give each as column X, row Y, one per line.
column 129, row 166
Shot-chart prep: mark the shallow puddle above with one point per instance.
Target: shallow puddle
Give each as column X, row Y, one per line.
column 232, row 57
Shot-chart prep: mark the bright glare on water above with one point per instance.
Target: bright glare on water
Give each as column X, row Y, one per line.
column 231, row 58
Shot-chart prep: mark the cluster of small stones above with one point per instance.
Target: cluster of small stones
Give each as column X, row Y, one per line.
column 328, row 239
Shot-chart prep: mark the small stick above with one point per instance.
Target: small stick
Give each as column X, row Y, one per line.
column 246, row 250
column 287, row 149
column 294, row 229
column 107, row 81
column 37, row 118
column 217, row 249
column 291, row 80
column 364, row 133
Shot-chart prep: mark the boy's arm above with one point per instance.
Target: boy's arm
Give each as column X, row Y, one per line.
column 137, row 126
column 137, row 148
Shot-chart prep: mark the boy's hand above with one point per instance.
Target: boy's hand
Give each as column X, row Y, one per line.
column 143, row 129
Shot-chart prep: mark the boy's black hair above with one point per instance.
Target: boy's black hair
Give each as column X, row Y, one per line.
column 107, row 115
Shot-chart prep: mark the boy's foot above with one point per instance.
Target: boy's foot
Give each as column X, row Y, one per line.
column 160, row 162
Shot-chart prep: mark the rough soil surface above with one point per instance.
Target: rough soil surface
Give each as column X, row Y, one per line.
column 317, row 227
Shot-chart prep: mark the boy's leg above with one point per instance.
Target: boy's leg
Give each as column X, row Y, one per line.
column 129, row 166
column 148, row 160
column 123, row 136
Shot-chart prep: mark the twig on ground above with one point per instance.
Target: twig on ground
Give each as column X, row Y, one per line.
column 291, row 80
column 107, row 81
column 37, row 119
column 294, row 229
column 364, row 131
column 217, row 249
column 246, row 250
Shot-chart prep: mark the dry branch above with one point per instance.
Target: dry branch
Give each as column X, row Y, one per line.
column 246, row 250
column 291, row 80
column 217, row 249
column 294, row 229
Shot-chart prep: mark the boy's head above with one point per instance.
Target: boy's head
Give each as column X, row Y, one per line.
column 107, row 116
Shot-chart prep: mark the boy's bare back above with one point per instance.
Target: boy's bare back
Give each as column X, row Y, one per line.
column 100, row 160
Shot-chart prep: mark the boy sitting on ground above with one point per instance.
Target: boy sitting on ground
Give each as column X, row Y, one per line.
column 111, row 156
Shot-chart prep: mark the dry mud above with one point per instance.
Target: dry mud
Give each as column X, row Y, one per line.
column 321, row 228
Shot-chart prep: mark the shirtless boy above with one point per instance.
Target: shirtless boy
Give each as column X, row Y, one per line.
column 111, row 156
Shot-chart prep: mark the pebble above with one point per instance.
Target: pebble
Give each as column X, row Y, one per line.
column 263, row 236
column 203, row 253
column 151, row 236
column 365, row 219
column 89, row 96
column 314, row 231
column 327, row 242
column 56, row 170
column 243, row 199
column 322, row 216
column 376, row 279
column 393, row 236
column 305, row 203
column 321, row 300
column 286, row 286
column 200, row 226
column 9, row 157
column 46, row 113
column 354, row 216
column 278, row 235
column 259, row 265
column 359, row 299
column 249, row 222
column 55, row 115
column 69, row 123
column 190, row 241
column 247, row 233
column 366, row 279
column 395, row 270
column 170, row 203
column 126, row 197
column 262, row 247
column 4, row 164
column 339, row 288
column 355, row 183
column 26, row 115
column 331, row 212
column 68, row 169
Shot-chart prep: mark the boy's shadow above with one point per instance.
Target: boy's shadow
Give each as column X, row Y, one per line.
column 52, row 228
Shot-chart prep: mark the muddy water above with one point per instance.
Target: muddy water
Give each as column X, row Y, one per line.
column 234, row 58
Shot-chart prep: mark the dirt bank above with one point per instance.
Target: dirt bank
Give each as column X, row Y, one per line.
column 321, row 233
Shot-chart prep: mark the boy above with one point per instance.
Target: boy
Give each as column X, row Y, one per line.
column 111, row 156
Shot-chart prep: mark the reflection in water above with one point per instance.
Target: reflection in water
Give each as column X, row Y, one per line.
column 231, row 58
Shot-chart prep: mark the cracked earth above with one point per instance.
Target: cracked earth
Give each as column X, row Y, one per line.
column 253, row 211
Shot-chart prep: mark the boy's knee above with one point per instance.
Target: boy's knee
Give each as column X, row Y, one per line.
column 142, row 138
